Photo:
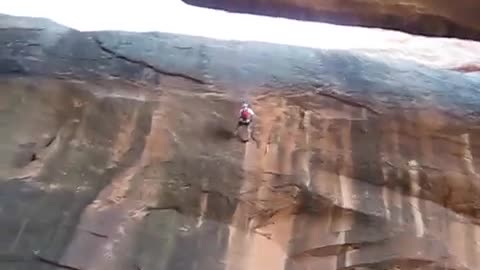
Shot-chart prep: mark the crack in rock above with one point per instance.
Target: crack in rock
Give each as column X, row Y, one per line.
column 54, row 263
column 145, row 64
column 346, row 100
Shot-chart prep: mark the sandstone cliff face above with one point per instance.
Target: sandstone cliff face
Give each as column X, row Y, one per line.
column 426, row 17
column 117, row 154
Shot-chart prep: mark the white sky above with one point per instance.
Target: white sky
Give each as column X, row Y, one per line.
column 177, row 17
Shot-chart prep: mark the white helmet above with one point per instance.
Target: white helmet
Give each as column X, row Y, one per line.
column 244, row 105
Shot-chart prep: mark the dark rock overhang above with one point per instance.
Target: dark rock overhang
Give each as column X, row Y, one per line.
column 439, row 18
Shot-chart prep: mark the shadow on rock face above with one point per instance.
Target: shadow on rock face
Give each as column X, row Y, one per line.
column 222, row 133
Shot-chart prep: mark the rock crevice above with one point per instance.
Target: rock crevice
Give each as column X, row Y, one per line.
column 145, row 64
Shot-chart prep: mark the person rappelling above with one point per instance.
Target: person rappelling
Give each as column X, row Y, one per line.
column 246, row 116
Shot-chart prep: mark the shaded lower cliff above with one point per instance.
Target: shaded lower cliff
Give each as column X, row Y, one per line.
column 117, row 153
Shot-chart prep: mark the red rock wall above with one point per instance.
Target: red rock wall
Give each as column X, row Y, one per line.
column 117, row 153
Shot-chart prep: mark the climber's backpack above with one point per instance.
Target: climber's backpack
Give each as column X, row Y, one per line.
column 245, row 114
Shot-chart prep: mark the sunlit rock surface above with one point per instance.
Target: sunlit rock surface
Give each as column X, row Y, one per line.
column 426, row 17
column 443, row 53
column 117, row 153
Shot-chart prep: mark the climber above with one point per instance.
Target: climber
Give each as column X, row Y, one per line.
column 245, row 118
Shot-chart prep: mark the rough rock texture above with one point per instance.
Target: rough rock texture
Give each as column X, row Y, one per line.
column 117, row 154
column 426, row 17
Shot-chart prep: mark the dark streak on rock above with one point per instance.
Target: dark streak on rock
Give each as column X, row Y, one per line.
column 183, row 47
column 147, row 65
column 287, row 185
column 347, row 100
column 50, row 141
column 266, row 235
column 54, row 263
column 162, row 208
column 20, row 178
column 275, row 173
column 95, row 233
